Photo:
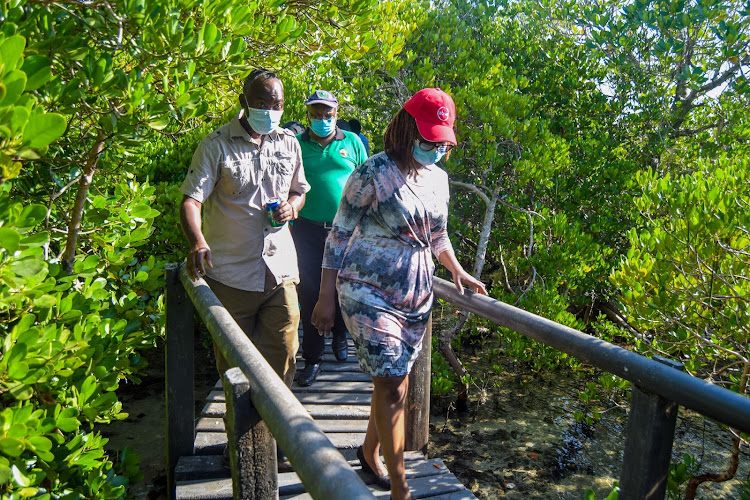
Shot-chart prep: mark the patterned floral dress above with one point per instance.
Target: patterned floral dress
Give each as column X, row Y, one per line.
column 383, row 235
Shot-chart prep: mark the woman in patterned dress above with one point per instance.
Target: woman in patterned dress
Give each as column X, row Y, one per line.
column 391, row 219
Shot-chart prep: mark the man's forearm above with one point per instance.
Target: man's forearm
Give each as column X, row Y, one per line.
column 297, row 201
column 190, row 220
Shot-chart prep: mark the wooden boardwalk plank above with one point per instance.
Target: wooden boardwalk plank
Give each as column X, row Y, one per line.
column 327, row 387
column 213, row 424
column 213, row 443
column 357, row 412
column 342, row 398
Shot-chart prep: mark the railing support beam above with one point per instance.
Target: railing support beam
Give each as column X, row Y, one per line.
column 252, row 449
column 648, row 445
column 179, row 374
column 417, row 411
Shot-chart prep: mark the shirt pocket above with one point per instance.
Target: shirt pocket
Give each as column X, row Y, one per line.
column 236, row 177
column 280, row 172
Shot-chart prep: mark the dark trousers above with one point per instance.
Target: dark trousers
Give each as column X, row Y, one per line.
column 310, row 239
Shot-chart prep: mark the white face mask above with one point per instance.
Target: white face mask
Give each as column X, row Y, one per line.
column 263, row 120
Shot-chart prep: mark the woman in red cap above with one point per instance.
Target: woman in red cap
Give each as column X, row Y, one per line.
column 392, row 216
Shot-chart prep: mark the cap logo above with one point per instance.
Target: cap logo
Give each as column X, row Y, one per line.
column 442, row 113
column 322, row 93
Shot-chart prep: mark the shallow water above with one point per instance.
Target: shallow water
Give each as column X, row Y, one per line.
column 520, row 440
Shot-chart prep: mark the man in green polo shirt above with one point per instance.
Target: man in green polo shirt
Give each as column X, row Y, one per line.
column 329, row 155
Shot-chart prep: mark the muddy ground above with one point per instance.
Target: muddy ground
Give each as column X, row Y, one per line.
column 518, row 439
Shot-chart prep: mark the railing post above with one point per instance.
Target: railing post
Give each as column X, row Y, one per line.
column 648, row 445
column 252, row 449
column 417, row 411
column 179, row 374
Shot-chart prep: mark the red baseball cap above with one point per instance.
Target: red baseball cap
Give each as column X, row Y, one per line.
column 435, row 113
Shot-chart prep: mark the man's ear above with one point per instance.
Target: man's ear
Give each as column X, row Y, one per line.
column 243, row 101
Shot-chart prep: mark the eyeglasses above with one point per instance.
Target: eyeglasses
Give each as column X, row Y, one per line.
column 429, row 146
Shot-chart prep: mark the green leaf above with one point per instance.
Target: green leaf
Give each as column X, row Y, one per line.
column 90, row 262
column 18, row 370
column 36, row 240
column 140, row 233
column 19, row 477
column 43, row 129
column 19, row 119
column 11, row 446
column 21, row 392
column 67, row 424
column 40, row 443
column 5, row 474
column 29, row 266
column 209, row 34
column 140, row 211
column 9, row 239
column 11, row 50
column 31, row 215
column 45, row 302
column 159, row 123
column 38, row 71
column 15, row 83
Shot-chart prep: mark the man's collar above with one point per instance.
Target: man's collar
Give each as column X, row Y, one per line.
column 305, row 136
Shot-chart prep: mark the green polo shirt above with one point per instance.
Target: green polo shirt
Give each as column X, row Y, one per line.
column 326, row 170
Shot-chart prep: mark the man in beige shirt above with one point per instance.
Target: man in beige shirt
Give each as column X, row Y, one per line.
column 250, row 264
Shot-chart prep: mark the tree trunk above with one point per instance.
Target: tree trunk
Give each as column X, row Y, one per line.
column 484, row 235
column 76, row 214
column 444, row 346
column 447, row 336
column 734, row 459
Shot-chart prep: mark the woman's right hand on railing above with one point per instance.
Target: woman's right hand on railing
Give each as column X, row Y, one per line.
column 194, row 261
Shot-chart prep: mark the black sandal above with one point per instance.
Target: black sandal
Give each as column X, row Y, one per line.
column 383, row 482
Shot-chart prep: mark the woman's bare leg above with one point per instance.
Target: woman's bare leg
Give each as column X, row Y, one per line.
column 388, row 397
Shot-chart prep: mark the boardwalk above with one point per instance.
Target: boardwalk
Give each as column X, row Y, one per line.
column 339, row 402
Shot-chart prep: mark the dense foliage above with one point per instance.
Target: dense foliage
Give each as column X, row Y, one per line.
column 601, row 180
column 95, row 98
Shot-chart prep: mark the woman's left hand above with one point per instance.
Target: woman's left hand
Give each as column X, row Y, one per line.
column 461, row 278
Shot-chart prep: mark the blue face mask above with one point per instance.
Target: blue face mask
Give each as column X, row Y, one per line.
column 323, row 128
column 427, row 157
column 263, row 120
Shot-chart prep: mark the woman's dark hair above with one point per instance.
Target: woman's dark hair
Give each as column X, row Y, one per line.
column 355, row 125
column 398, row 140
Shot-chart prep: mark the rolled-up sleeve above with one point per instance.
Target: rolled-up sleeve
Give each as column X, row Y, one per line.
column 202, row 174
column 356, row 200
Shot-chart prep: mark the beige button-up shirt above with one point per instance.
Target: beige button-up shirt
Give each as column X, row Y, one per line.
column 234, row 176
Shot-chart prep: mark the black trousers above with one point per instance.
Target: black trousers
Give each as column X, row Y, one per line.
column 310, row 239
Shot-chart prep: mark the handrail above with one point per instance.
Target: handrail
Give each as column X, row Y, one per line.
column 708, row 399
column 324, row 472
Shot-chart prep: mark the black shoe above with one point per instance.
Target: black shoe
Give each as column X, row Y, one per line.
column 340, row 349
column 383, row 482
column 309, row 374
